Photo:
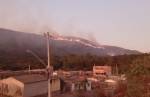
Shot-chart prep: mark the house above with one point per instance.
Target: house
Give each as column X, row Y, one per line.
column 81, row 85
column 27, row 85
column 102, row 70
column 77, row 83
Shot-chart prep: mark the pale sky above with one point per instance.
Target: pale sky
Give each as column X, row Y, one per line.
column 124, row 23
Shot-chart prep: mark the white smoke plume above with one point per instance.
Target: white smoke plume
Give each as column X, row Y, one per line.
column 22, row 16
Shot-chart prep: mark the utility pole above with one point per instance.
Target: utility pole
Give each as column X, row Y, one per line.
column 116, row 69
column 29, row 68
column 48, row 68
column 48, row 65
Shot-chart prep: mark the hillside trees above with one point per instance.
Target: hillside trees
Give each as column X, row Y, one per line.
column 69, row 61
column 138, row 78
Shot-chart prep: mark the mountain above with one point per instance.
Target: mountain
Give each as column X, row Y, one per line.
column 14, row 42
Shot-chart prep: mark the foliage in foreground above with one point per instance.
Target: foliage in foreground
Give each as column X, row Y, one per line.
column 139, row 78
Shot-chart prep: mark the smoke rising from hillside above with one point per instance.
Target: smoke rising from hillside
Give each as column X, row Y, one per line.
column 22, row 16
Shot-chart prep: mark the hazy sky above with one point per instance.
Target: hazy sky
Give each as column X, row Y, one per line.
column 124, row 23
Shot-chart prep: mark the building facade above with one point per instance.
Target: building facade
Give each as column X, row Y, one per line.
column 102, row 70
column 27, row 86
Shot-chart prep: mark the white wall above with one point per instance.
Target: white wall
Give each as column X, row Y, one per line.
column 35, row 89
column 11, row 86
column 39, row 88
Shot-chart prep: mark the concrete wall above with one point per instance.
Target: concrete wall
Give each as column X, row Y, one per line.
column 15, row 88
column 55, row 85
column 35, row 89
column 39, row 88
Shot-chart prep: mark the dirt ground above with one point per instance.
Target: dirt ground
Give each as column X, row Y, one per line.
column 58, row 95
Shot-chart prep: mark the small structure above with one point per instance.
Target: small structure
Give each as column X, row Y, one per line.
column 27, row 85
column 81, row 85
column 76, row 83
column 102, row 70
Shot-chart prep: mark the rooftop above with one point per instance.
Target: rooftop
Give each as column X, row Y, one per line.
column 31, row 78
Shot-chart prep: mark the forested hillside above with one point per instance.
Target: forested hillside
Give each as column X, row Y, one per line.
column 72, row 62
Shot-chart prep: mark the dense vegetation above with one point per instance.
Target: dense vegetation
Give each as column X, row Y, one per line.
column 136, row 67
column 71, row 62
column 139, row 78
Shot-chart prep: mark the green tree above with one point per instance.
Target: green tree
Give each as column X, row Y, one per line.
column 138, row 78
